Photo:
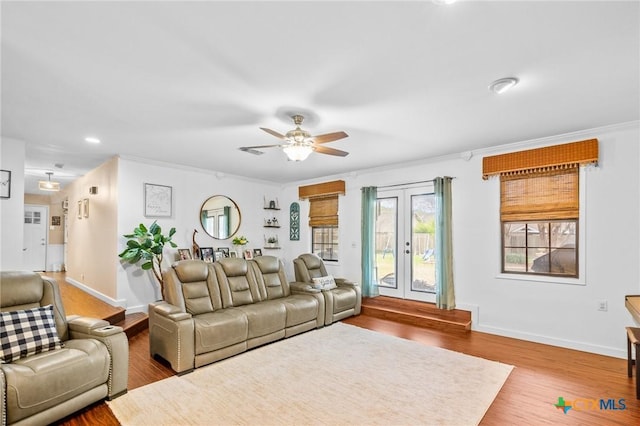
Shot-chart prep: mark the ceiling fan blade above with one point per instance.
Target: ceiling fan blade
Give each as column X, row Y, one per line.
column 245, row 148
column 330, row 151
column 273, row 132
column 330, row 137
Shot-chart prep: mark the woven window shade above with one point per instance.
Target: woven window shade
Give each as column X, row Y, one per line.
column 323, row 202
column 545, row 159
column 323, row 211
column 540, row 196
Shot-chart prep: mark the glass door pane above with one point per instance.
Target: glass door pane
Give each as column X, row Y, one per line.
column 423, row 227
column 386, row 242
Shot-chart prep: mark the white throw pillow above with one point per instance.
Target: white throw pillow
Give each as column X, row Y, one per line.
column 324, row 283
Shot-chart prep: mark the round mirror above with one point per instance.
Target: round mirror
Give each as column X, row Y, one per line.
column 220, row 217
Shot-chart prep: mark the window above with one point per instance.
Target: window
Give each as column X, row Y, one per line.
column 540, row 207
column 323, row 217
column 324, row 242
column 547, row 248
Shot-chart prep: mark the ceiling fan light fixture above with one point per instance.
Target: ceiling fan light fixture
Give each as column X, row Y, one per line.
column 503, row 84
column 48, row 185
column 297, row 152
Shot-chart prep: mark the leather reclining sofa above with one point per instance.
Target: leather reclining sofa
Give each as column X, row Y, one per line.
column 216, row 310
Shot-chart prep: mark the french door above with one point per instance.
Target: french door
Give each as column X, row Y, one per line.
column 405, row 241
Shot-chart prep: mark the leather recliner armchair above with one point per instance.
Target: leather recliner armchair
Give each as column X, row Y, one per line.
column 44, row 387
column 341, row 302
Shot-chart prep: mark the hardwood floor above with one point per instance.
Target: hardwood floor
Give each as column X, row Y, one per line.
column 541, row 375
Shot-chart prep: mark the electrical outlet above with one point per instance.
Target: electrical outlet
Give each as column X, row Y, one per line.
column 602, row 305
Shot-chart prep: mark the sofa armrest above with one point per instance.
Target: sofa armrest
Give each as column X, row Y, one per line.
column 300, row 287
column 346, row 282
column 170, row 311
column 172, row 336
column 114, row 338
column 90, row 327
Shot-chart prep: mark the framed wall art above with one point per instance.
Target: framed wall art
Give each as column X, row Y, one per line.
column 5, row 183
column 157, row 200
column 85, row 207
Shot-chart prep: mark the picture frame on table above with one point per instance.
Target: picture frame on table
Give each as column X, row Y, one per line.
column 224, row 250
column 248, row 254
column 257, row 252
column 207, row 254
column 184, row 254
column 233, row 254
column 217, row 255
column 5, row 183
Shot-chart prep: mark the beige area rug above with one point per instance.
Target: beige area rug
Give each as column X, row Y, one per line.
column 337, row 375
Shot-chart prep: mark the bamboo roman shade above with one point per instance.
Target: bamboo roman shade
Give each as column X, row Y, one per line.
column 323, row 211
column 540, row 196
column 541, row 159
column 323, row 202
column 542, row 183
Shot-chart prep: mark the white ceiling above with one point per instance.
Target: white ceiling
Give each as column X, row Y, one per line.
column 190, row 82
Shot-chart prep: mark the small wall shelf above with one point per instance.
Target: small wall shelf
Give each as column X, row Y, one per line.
column 271, row 248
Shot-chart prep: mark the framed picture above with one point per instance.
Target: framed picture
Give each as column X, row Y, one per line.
column 157, row 200
column 248, row 254
column 233, row 254
column 224, row 250
column 217, row 255
column 5, row 183
column 257, row 252
column 207, row 254
column 85, row 207
column 80, row 209
column 184, row 254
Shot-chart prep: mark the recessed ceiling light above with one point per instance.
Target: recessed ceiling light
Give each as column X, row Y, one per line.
column 91, row 139
column 441, row 2
column 502, row 85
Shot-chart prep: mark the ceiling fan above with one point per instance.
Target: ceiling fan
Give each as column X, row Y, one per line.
column 299, row 143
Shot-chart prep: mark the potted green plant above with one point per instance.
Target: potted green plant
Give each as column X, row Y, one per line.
column 147, row 245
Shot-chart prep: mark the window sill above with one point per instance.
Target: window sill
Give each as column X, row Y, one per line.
column 540, row 278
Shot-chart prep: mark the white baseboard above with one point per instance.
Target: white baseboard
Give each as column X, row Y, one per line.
column 137, row 309
column 569, row 344
column 122, row 303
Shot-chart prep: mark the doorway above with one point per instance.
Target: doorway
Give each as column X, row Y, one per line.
column 34, row 251
column 405, row 242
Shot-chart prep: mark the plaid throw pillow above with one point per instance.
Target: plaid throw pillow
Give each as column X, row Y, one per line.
column 27, row 332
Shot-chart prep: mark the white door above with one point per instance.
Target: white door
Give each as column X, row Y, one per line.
column 405, row 241
column 35, row 237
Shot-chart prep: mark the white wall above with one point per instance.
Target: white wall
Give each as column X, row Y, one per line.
column 190, row 189
column 12, row 154
column 548, row 312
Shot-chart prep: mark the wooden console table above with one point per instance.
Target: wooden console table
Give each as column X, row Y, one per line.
column 632, row 302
